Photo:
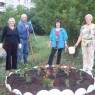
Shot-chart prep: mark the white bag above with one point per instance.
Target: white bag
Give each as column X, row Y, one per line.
column 3, row 53
column 71, row 50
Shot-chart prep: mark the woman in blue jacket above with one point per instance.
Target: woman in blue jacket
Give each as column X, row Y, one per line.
column 58, row 38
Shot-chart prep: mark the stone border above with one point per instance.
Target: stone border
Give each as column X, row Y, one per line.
column 80, row 91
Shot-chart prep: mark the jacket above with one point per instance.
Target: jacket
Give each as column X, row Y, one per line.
column 62, row 37
column 22, row 30
column 10, row 36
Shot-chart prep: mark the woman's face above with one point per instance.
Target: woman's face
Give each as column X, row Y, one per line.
column 57, row 24
column 11, row 23
column 88, row 20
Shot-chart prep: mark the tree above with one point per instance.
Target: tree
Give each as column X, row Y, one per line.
column 72, row 13
column 11, row 12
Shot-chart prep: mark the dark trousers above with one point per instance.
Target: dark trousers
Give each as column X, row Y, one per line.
column 53, row 51
column 11, row 59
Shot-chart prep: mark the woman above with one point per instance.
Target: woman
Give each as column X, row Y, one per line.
column 10, row 37
column 87, row 37
column 58, row 38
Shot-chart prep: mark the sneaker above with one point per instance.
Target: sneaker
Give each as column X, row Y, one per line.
column 26, row 64
column 47, row 65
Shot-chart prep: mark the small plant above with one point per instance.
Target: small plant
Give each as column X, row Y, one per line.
column 28, row 78
column 56, row 69
column 78, row 82
column 39, row 70
column 52, row 83
column 47, row 82
column 67, row 70
column 24, row 73
column 55, row 72
column 47, row 71
column 80, row 73
column 21, row 72
column 67, row 83
column 57, row 66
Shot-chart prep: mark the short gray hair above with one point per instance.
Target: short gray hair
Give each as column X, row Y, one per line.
column 23, row 15
column 11, row 19
column 89, row 15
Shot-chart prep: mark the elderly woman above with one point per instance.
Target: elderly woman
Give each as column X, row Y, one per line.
column 10, row 37
column 87, row 38
column 58, row 38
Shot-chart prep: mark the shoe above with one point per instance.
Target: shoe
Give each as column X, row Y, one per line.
column 47, row 65
column 26, row 64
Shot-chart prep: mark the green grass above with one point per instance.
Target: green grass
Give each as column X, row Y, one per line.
column 42, row 52
column 40, row 56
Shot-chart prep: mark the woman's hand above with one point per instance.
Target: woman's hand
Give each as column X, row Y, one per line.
column 27, row 26
column 49, row 45
column 1, row 45
column 76, row 45
column 20, row 46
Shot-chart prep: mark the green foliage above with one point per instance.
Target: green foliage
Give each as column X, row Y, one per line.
column 43, row 15
column 81, row 78
column 72, row 13
column 28, row 80
column 46, row 82
column 11, row 12
column 24, row 73
column 67, row 82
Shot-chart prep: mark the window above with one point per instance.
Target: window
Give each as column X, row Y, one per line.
column 1, row 4
column 24, row 1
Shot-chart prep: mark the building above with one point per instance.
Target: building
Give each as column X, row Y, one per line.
column 2, row 5
column 5, row 3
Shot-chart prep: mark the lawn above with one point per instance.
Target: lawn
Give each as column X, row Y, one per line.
column 39, row 56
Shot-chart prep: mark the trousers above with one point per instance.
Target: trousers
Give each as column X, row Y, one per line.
column 53, row 51
column 23, row 51
column 11, row 58
column 88, row 57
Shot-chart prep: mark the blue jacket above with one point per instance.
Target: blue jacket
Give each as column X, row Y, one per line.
column 22, row 30
column 62, row 37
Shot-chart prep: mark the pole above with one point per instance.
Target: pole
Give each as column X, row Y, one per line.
column 33, row 31
column 31, row 46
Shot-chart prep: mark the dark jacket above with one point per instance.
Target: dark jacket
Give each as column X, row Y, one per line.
column 10, row 35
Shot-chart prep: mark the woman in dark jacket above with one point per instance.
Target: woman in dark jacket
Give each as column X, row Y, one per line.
column 10, row 38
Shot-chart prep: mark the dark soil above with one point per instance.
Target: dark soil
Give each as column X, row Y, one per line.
column 77, row 79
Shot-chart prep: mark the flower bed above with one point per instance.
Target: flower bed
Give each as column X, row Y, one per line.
column 47, row 78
